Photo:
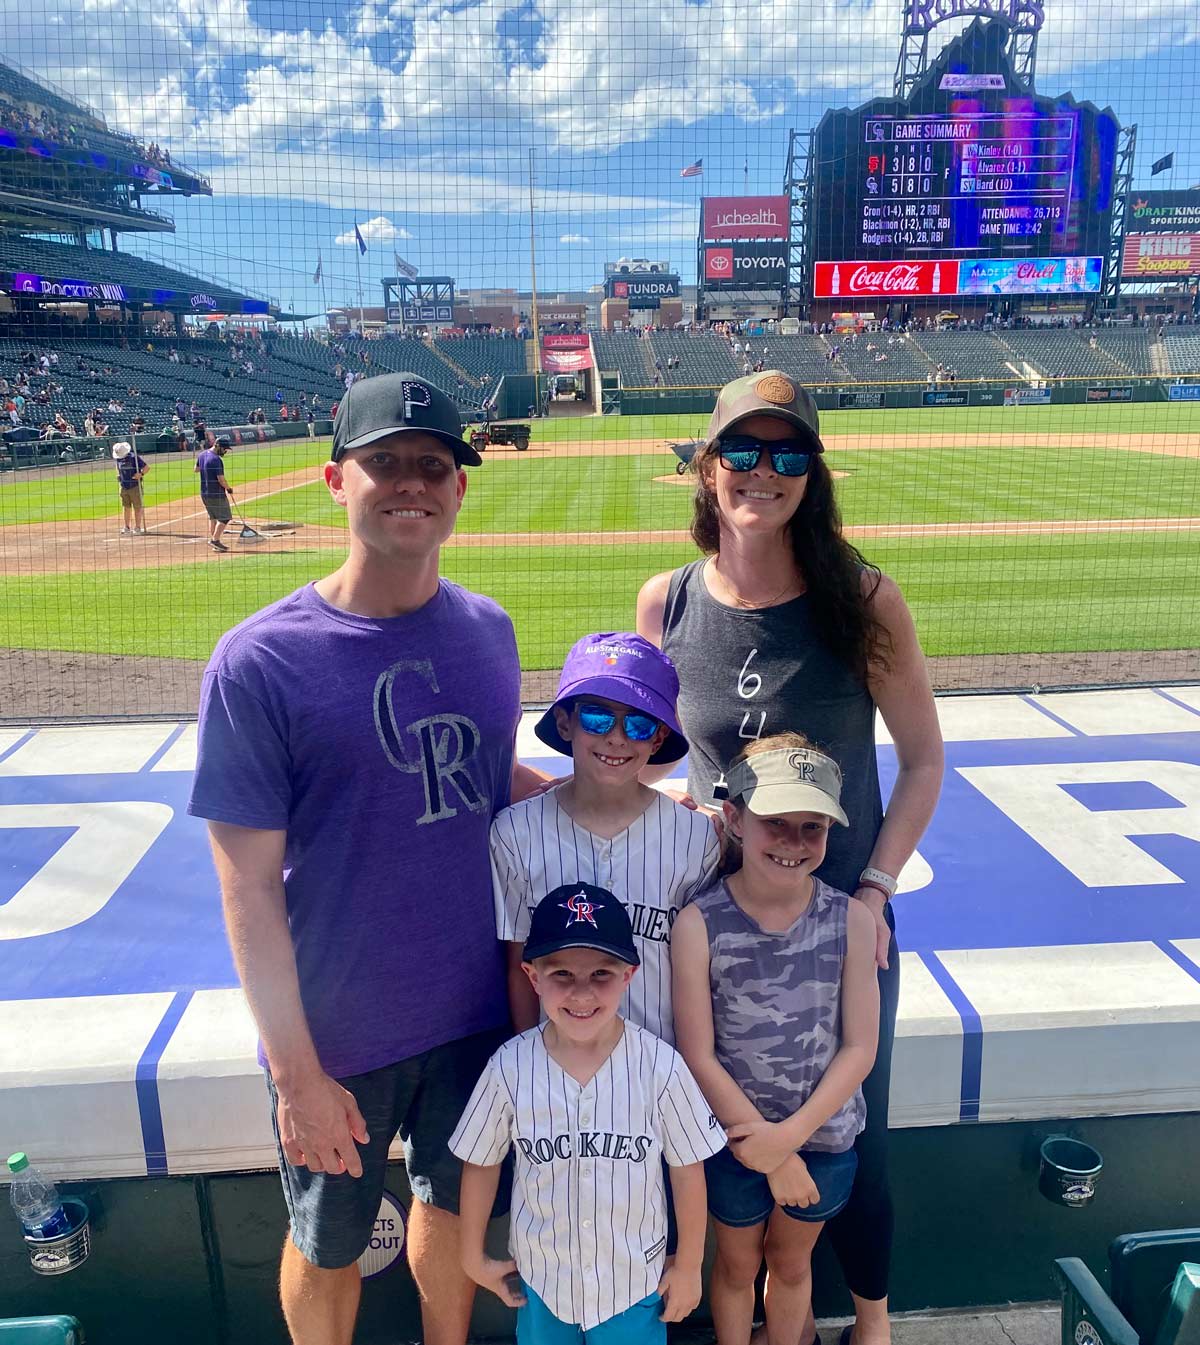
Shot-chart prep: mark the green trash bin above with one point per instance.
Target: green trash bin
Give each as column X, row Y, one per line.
column 40, row 1331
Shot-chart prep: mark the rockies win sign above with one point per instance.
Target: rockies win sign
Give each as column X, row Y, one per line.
column 744, row 265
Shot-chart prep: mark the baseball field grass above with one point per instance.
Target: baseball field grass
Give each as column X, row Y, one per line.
column 89, row 490
column 526, row 493
column 972, row 595
column 977, row 593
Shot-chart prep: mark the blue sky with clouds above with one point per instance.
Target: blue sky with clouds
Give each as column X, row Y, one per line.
column 416, row 117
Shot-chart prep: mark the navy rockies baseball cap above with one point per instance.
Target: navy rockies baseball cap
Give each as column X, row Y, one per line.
column 579, row 915
column 395, row 404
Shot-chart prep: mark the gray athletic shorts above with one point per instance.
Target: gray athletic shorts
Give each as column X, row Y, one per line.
column 420, row 1099
column 218, row 507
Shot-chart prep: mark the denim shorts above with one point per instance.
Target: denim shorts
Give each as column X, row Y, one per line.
column 740, row 1197
column 421, row 1099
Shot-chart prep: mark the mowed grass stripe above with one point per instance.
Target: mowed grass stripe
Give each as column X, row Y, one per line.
column 895, row 486
column 969, row 595
column 87, row 492
column 1132, row 418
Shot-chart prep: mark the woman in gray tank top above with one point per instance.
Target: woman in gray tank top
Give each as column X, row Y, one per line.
column 783, row 626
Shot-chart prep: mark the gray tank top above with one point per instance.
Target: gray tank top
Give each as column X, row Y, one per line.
column 777, row 1012
column 749, row 674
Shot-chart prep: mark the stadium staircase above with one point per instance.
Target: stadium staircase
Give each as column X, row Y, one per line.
column 1159, row 363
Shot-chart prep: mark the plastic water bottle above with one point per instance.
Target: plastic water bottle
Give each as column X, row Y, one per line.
column 35, row 1200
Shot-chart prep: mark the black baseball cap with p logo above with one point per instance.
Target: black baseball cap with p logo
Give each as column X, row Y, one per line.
column 388, row 404
column 580, row 915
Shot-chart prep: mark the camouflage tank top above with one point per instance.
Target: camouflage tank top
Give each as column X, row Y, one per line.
column 776, row 1001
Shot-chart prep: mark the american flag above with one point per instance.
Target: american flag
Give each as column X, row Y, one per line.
column 693, row 169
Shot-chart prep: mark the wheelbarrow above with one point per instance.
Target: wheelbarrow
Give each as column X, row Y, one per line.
column 685, row 452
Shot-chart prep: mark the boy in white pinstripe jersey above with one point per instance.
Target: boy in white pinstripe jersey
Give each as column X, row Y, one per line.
column 614, row 713
column 593, row 1107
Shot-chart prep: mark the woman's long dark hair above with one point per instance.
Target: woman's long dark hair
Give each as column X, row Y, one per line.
column 832, row 568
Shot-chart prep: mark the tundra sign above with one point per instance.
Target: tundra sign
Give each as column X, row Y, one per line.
column 745, row 266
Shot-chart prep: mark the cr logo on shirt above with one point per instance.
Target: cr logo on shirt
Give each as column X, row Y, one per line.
column 592, row 1144
column 440, row 748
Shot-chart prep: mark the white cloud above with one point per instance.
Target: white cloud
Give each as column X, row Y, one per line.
column 574, row 238
column 377, row 230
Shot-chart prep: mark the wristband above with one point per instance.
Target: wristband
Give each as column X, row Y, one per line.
column 875, row 887
column 877, row 878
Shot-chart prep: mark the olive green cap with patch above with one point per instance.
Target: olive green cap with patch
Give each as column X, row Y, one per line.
column 769, row 393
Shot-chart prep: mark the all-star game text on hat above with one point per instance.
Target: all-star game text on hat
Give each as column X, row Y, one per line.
column 580, row 915
column 622, row 667
column 770, row 393
column 394, row 404
column 789, row 780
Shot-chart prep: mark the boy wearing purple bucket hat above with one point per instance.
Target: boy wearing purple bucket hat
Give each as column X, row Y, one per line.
column 614, row 713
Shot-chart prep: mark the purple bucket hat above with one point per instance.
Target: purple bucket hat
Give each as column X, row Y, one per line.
column 621, row 667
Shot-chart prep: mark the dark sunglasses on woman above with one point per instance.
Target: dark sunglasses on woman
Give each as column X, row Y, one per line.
column 742, row 452
column 599, row 720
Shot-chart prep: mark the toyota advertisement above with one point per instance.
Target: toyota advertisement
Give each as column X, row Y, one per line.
column 729, row 217
column 981, row 276
column 640, row 290
column 745, row 266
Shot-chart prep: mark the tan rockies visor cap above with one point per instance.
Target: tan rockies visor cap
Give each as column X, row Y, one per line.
column 790, row 780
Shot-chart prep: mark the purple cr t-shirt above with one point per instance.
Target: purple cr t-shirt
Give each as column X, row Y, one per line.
column 383, row 746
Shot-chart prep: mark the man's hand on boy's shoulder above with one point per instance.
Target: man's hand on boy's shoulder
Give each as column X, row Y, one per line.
column 680, row 1289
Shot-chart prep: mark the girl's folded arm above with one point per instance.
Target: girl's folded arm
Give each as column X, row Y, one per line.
column 860, row 1030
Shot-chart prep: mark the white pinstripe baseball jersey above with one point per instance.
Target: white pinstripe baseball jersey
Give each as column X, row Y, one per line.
column 655, row 866
column 588, row 1228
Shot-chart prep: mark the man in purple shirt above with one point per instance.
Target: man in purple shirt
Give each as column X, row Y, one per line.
column 355, row 740
column 215, row 490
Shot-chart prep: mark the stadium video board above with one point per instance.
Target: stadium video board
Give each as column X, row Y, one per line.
column 948, row 174
column 1162, row 236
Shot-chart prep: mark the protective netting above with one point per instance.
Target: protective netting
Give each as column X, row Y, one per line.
column 975, row 242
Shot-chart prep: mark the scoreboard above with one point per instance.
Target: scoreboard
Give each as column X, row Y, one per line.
column 970, row 166
column 967, row 179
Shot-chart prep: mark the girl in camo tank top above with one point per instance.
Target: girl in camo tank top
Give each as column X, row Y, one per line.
column 777, row 1015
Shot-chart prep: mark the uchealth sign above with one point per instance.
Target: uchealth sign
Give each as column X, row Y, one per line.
column 745, row 266
column 726, row 217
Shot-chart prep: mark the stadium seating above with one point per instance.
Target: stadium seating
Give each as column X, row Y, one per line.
column 1060, row 353
column 973, row 355
column 18, row 253
column 806, row 358
column 1183, row 349
column 486, row 359
column 629, row 355
column 705, row 360
column 905, row 361
column 1130, row 347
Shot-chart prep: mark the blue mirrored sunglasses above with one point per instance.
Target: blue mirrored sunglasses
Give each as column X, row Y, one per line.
column 789, row 457
column 598, row 720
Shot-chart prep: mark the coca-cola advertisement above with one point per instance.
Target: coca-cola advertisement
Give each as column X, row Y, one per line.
column 884, row 280
column 981, row 276
column 724, row 217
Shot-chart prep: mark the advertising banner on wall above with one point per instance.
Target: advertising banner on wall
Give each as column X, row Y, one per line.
column 1158, row 256
column 1026, row 396
column 566, row 341
column 1163, row 212
column 872, row 400
column 938, row 398
column 642, row 291
column 1122, row 394
column 1184, row 392
column 949, row 276
column 725, row 217
column 744, row 265
column 564, row 361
